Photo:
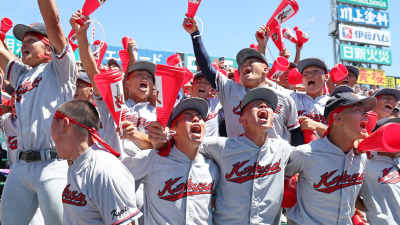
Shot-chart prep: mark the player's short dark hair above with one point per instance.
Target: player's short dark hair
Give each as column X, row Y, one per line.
column 83, row 112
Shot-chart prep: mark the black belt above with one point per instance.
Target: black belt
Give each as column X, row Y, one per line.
column 30, row 156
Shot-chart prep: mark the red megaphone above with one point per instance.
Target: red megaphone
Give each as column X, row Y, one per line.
column 192, row 10
column 289, row 193
column 384, row 139
column 174, row 60
column 124, row 56
column 288, row 34
column 285, row 11
column 372, row 119
column 125, row 41
column 236, row 75
column 302, row 37
column 99, row 54
column 254, row 46
column 357, row 220
column 338, row 72
column 295, row 77
column 280, row 66
column 276, row 36
column 309, row 136
column 5, row 26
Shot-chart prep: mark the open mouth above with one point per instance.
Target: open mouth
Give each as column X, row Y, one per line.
column 143, row 86
column 201, row 90
column 196, row 130
column 389, row 106
column 363, row 124
column 246, row 71
column 311, row 83
column 263, row 115
column 345, row 82
column 25, row 53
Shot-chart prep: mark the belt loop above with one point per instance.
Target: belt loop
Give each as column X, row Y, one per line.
column 18, row 155
column 48, row 156
column 42, row 155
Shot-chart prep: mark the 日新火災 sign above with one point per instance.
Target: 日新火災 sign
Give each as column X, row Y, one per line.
column 364, row 35
column 364, row 54
column 383, row 4
column 363, row 17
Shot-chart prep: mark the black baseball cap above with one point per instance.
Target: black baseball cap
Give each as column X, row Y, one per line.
column 113, row 61
column 341, row 89
column 387, row 91
column 20, row 30
column 247, row 53
column 261, row 93
column 198, row 74
column 353, row 69
column 198, row 104
column 143, row 65
column 311, row 62
column 346, row 99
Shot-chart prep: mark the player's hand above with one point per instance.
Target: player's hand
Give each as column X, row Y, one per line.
column 157, row 136
column 128, row 131
column 355, row 147
column 284, row 53
column 299, row 47
column 78, row 28
column 133, row 54
column 193, row 29
column 262, row 30
column 308, row 124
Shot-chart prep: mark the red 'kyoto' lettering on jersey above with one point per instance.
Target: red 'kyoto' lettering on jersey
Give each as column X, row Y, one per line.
column 73, row 197
column 138, row 121
column 316, row 117
column 392, row 178
column 251, row 172
column 237, row 110
column 12, row 142
column 338, row 182
column 184, row 189
column 25, row 87
column 211, row 115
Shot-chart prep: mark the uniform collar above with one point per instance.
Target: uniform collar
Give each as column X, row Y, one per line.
column 252, row 144
column 83, row 160
column 333, row 149
column 130, row 103
column 316, row 99
column 179, row 156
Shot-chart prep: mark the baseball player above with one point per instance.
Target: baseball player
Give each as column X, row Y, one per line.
column 38, row 176
column 331, row 171
column 349, row 80
column 381, row 187
column 250, row 189
column 200, row 89
column 99, row 187
column 387, row 100
column 178, row 181
column 253, row 70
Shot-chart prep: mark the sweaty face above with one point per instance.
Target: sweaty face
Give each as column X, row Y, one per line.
column 385, row 104
column 31, row 47
column 252, row 72
column 83, row 91
column 190, row 126
column 314, row 79
column 201, row 88
column 140, row 83
column 354, row 120
column 12, row 102
column 349, row 80
column 257, row 115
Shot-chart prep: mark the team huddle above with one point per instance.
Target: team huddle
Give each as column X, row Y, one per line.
column 71, row 163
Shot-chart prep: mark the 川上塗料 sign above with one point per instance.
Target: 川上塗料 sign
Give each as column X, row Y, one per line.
column 383, row 4
column 371, row 76
column 364, row 54
column 363, row 17
column 364, row 35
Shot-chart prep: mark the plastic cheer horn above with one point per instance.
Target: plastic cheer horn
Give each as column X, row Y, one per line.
column 372, row 119
column 168, row 83
column 109, row 83
column 237, row 77
column 188, row 76
column 280, row 66
column 309, row 136
column 338, row 72
column 289, row 193
column 192, row 10
column 302, row 37
column 5, row 26
column 125, row 41
column 174, row 60
column 285, row 11
column 288, row 34
column 254, row 46
column 357, row 220
column 385, row 139
column 276, row 36
column 72, row 39
column 99, row 55
column 124, row 56
column 295, row 77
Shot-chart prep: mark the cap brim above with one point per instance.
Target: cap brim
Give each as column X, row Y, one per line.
column 388, row 91
column 197, row 75
column 20, row 30
column 247, row 53
column 261, row 93
column 368, row 103
column 341, row 89
column 198, row 104
column 311, row 62
column 353, row 69
column 144, row 65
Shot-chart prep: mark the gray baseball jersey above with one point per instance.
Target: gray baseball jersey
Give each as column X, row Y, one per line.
column 328, row 185
column 231, row 94
column 214, row 117
column 381, row 190
column 8, row 125
column 99, row 190
column 38, row 94
column 177, row 190
column 250, row 190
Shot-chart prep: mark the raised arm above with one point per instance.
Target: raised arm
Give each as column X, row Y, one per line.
column 51, row 19
column 85, row 52
column 5, row 56
column 133, row 56
column 298, row 50
column 202, row 57
column 262, row 43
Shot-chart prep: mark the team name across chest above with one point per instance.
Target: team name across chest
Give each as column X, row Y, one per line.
column 333, row 183
column 173, row 190
column 73, row 197
column 25, row 87
column 390, row 178
column 139, row 121
column 316, row 117
column 241, row 173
